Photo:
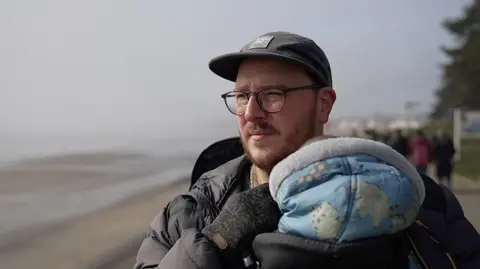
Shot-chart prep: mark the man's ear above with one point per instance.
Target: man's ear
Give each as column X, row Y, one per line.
column 325, row 99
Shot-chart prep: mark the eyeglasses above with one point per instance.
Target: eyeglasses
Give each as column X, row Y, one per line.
column 271, row 100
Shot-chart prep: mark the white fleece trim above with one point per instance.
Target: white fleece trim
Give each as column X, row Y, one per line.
column 317, row 150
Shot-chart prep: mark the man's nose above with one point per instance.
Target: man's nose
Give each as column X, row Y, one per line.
column 253, row 111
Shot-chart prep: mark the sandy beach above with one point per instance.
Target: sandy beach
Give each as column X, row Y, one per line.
column 69, row 211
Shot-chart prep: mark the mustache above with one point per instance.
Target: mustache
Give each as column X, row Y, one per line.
column 260, row 127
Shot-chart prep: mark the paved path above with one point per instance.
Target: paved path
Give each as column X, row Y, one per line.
column 468, row 194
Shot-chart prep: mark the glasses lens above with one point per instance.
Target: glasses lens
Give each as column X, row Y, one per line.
column 236, row 102
column 271, row 100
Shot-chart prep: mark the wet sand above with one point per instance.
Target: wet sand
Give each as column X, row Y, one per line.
column 69, row 211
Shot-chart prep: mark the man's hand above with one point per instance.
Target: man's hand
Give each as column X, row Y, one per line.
column 245, row 215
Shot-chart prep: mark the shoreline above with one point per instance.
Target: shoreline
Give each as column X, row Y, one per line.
column 44, row 191
column 69, row 210
column 82, row 242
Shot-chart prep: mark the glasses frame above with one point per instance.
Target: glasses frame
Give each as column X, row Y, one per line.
column 285, row 91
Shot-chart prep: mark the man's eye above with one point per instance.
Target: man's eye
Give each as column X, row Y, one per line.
column 241, row 97
column 273, row 95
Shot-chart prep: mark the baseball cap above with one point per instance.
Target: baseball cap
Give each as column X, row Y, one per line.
column 282, row 46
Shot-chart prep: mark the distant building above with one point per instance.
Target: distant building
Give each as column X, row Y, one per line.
column 349, row 125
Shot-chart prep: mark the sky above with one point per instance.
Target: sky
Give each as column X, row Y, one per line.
column 141, row 66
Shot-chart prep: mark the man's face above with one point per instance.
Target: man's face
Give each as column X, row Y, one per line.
column 267, row 138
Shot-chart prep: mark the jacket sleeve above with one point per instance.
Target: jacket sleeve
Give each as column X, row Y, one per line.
column 181, row 213
column 464, row 239
column 191, row 251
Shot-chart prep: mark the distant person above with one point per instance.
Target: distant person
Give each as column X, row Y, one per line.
column 381, row 137
column 399, row 142
column 419, row 151
column 282, row 96
column 433, row 140
column 371, row 134
column 386, row 137
column 355, row 133
column 443, row 153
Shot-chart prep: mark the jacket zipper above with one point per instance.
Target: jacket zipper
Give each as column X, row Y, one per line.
column 454, row 265
column 420, row 223
column 417, row 253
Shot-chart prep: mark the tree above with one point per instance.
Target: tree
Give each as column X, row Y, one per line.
column 460, row 86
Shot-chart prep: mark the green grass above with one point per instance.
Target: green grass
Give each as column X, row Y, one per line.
column 432, row 127
column 468, row 165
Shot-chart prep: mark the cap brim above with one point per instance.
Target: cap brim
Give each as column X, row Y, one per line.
column 227, row 65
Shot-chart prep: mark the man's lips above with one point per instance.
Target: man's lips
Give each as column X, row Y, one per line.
column 260, row 135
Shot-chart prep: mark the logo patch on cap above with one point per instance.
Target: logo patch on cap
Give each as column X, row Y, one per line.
column 261, row 42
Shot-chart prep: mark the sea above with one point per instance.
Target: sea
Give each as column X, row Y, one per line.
column 14, row 148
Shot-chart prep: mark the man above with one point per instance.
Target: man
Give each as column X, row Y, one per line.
column 399, row 142
column 283, row 97
column 443, row 153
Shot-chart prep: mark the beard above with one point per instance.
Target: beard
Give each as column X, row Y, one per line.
column 293, row 138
